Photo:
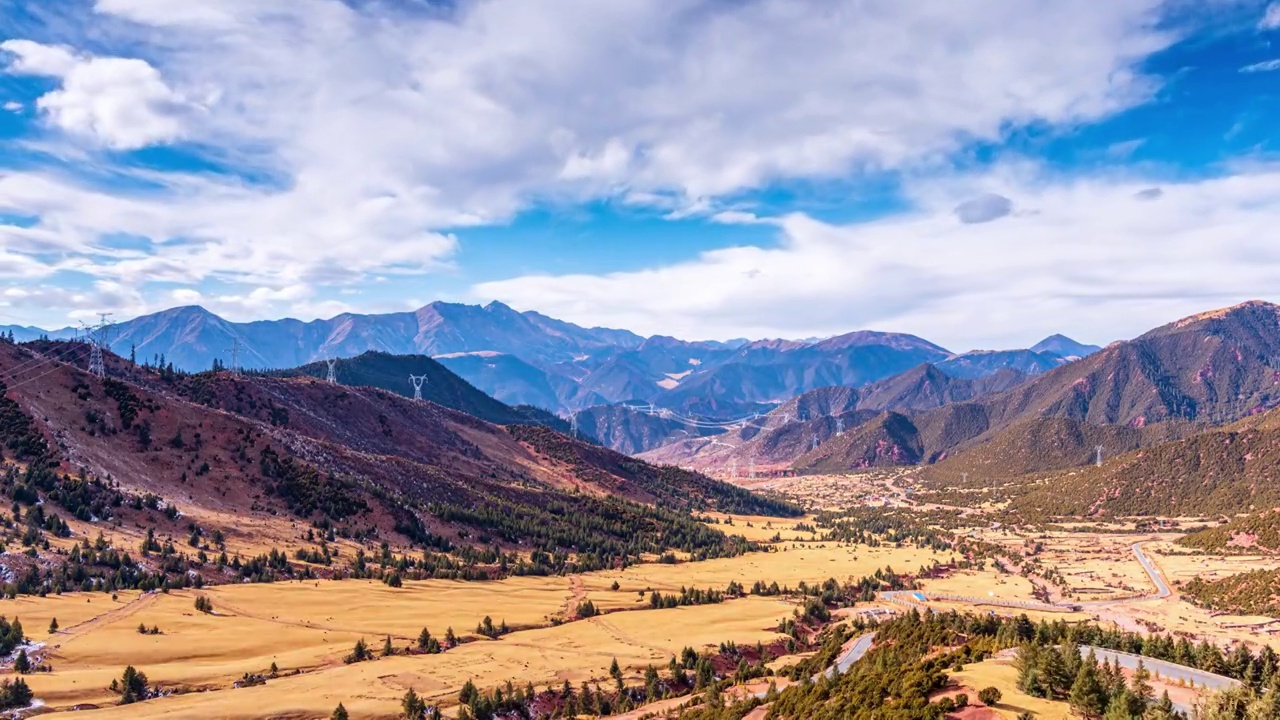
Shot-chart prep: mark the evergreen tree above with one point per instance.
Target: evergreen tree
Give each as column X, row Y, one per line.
column 339, row 713
column 22, row 663
column 1162, row 709
column 1053, row 673
column 413, row 706
column 1088, row 698
column 387, row 649
column 133, row 686
column 1140, row 688
column 53, row 626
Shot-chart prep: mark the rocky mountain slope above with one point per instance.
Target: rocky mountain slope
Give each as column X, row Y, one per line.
column 529, row 358
column 234, row 452
column 1208, row 369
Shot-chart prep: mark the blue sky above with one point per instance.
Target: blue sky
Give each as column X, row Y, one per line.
column 979, row 173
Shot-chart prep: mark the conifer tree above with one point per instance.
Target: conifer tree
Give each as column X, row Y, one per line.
column 1088, row 698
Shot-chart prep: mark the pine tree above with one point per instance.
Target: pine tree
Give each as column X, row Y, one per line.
column 413, row 706
column 339, row 713
column 1162, row 709
column 387, row 649
column 1088, row 698
column 133, row 686
column 1140, row 688
column 22, row 663
column 53, row 626
column 1053, row 673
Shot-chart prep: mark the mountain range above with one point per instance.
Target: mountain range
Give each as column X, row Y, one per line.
column 526, row 358
column 257, row 456
column 1205, row 370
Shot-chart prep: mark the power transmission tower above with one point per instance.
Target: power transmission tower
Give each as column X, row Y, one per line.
column 417, row 381
column 751, row 468
column 98, row 340
column 964, row 477
column 733, row 469
column 573, row 425
column 234, row 351
column 839, row 426
column 1099, row 456
column 332, row 377
column 814, row 439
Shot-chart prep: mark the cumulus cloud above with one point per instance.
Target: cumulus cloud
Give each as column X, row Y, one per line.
column 1094, row 262
column 984, row 208
column 359, row 134
column 123, row 103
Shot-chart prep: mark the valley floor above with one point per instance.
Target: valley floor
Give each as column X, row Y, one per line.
column 307, row 628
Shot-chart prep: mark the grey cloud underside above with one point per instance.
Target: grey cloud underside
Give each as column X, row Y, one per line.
column 984, row 209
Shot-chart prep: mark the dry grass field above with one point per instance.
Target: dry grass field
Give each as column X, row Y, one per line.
column 999, row 673
column 789, row 565
column 310, row 628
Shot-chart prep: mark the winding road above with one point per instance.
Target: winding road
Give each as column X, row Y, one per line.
column 1162, row 590
column 908, row 597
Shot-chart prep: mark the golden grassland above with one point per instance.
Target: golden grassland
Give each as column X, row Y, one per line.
column 788, row 565
column 309, row 626
column 199, row 651
column 999, row 673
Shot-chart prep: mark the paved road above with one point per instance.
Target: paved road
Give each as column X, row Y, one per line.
column 843, row 663
column 904, row 597
column 1166, row 670
column 854, row 654
column 1162, row 590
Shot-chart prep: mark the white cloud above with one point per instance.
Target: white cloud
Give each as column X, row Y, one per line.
column 13, row 106
column 1264, row 66
column 75, row 303
column 377, row 126
column 122, row 103
column 1271, row 18
column 1099, row 258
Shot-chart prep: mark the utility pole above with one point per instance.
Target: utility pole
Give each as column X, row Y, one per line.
column 417, row 381
column 332, row 377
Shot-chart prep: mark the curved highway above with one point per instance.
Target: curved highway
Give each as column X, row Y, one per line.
column 1162, row 590
column 852, row 655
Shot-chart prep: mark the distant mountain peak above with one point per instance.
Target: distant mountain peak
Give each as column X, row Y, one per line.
column 1064, row 347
